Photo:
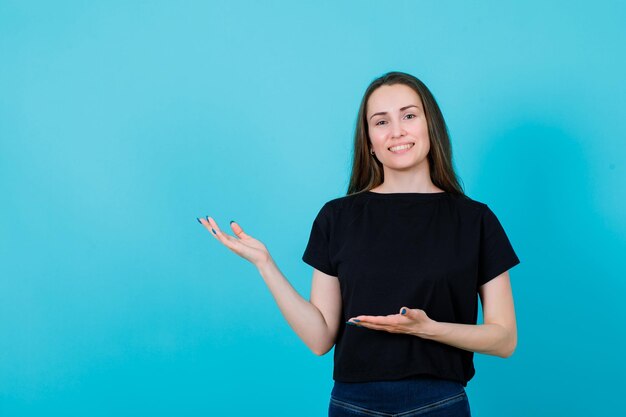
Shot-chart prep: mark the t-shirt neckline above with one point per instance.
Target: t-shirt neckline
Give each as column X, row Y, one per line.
column 405, row 195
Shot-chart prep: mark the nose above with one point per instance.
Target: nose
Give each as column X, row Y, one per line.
column 396, row 129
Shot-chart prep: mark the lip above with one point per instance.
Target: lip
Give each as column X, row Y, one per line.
column 400, row 144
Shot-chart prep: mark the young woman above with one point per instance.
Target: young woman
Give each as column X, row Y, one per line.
column 399, row 263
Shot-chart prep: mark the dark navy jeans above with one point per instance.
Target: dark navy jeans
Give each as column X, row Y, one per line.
column 419, row 396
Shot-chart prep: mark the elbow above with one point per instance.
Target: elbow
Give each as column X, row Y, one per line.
column 321, row 350
column 510, row 346
column 507, row 353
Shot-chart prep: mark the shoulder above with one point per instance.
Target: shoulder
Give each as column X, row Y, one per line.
column 467, row 202
column 473, row 211
column 343, row 208
column 344, row 202
column 480, row 213
column 464, row 204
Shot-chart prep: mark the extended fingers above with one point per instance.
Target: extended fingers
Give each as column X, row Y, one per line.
column 384, row 320
column 384, row 327
column 372, row 326
column 212, row 226
column 204, row 222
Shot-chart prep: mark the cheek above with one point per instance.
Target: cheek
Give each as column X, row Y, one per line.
column 422, row 129
column 377, row 139
column 422, row 134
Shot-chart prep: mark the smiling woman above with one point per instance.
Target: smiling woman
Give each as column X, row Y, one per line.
column 398, row 131
column 399, row 263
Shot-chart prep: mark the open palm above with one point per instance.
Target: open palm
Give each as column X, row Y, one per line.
column 242, row 244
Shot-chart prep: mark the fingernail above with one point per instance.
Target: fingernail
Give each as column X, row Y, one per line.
column 232, row 221
column 357, row 320
column 197, row 218
column 403, row 311
column 214, row 232
column 207, row 218
column 350, row 323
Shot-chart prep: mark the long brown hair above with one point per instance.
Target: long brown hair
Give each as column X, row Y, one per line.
column 367, row 171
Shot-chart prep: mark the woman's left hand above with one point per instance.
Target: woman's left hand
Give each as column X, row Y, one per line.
column 413, row 321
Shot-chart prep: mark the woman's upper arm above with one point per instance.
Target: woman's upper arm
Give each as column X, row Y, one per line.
column 496, row 297
column 326, row 296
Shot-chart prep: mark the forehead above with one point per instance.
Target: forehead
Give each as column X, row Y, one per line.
column 389, row 98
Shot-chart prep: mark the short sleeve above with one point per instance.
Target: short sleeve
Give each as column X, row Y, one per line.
column 317, row 251
column 496, row 253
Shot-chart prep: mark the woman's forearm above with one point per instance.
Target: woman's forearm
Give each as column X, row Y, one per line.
column 490, row 339
column 303, row 317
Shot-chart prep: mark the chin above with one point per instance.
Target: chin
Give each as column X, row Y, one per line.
column 408, row 165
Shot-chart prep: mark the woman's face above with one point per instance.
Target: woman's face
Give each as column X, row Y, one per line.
column 395, row 116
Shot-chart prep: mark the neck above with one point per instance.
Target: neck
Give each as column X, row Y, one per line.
column 407, row 182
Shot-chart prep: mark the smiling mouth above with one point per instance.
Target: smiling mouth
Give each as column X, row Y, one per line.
column 401, row 148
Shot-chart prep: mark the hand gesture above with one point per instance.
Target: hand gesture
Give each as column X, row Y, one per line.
column 410, row 321
column 243, row 245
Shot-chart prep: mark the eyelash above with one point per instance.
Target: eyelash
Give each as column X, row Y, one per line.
column 410, row 114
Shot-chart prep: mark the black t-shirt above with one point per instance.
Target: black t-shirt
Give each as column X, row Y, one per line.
column 430, row 251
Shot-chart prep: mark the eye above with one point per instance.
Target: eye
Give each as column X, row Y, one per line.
column 379, row 122
column 411, row 114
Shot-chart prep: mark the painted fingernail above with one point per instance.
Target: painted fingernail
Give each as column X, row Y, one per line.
column 403, row 311
column 357, row 320
column 232, row 221
column 214, row 232
column 198, row 218
column 350, row 323
column 207, row 218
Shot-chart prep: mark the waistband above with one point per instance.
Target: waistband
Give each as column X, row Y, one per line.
column 413, row 391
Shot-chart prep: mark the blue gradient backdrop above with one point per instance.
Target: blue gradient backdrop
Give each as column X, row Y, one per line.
column 122, row 121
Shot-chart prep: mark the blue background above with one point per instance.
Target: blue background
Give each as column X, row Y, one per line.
column 122, row 121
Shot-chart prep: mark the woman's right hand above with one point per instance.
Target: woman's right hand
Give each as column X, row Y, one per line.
column 243, row 245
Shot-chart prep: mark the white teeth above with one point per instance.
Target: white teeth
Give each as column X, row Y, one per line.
column 401, row 147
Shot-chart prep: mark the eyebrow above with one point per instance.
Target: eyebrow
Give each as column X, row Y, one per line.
column 401, row 109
